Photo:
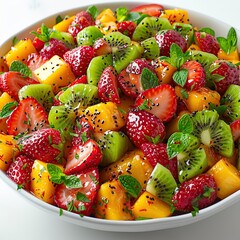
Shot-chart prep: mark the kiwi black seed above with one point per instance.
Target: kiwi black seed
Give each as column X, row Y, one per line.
column 185, row 30
column 151, row 48
column 149, row 26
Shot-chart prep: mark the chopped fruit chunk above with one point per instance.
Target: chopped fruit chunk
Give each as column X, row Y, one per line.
column 176, row 15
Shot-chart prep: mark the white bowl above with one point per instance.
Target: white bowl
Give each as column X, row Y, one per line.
column 197, row 19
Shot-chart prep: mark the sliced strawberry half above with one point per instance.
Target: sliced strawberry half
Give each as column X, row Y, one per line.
column 235, row 127
column 154, row 10
column 160, row 101
column 101, row 47
column 27, row 117
column 79, row 200
column 127, row 28
column 35, row 61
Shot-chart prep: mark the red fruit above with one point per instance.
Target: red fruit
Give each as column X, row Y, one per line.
column 154, row 10
column 44, row 144
column 136, row 66
column 12, row 82
column 64, row 196
column 84, row 156
column 101, row 47
column 198, row 192
column 165, row 38
column 38, row 44
column 229, row 73
column 54, row 47
column 207, row 42
column 82, row 79
column 28, row 116
column 19, row 171
column 35, row 61
column 196, row 75
column 235, row 127
column 142, row 126
column 127, row 28
column 79, row 59
column 107, row 86
column 161, row 101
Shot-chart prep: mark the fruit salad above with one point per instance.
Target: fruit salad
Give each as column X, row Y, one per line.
column 122, row 114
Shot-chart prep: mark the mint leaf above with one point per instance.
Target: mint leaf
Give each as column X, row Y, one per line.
column 59, row 19
column 148, row 79
column 82, row 197
column 154, row 140
column 144, row 105
column 7, row 109
column 180, row 77
column 185, row 124
column 93, row 11
column 15, row 41
column 184, row 93
column 208, row 30
column 130, row 184
column 121, row 14
column 44, row 34
column 72, row 181
column 220, row 109
column 195, row 211
column 217, row 77
column 18, row 66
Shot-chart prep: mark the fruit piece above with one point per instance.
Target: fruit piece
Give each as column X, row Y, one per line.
column 126, row 27
column 107, row 15
column 151, row 49
column 227, row 74
column 107, row 86
column 142, row 126
column 186, row 30
column 79, row 200
column 207, row 42
column 96, row 68
column 19, row 171
column 64, row 24
column 20, row 51
column 35, row 61
column 196, row 193
column 41, row 185
column 83, row 156
column 231, row 56
column 28, row 116
column 3, row 64
column 176, row 15
column 161, row 183
column 55, row 72
column 165, row 38
column 161, row 101
column 149, row 9
column 132, row 163
column 8, row 149
column 104, row 116
column 149, row 206
column 126, row 103
column 101, row 47
column 113, row 145
column 64, row 37
column 12, row 82
column 149, row 27
column 235, row 128
column 41, row 92
column 112, row 202
column 227, row 178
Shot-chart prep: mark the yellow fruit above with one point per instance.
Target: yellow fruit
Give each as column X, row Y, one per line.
column 108, row 27
column 112, row 202
column 63, row 25
column 176, row 15
column 231, row 56
column 3, row 65
column 106, row 16
column 149, row 206
column 193, row 47
column 126, row 103
column 227, row 178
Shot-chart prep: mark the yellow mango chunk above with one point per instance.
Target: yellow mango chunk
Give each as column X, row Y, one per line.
column 8, row 151
column 104, row 116
column 64, row 24
column 106, row 16
column 227, row 178
column 3, row 65
column 126, row 103
column 55, row 72
column 41, row 185
column 20, row 51
column 194, row 47
column 107, row 27
column 132, row 163
column 149, row 206
column 231, row 56
column 112, row 202
column 176, row 15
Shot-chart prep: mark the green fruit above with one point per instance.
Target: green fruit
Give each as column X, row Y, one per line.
column 151, row 48
column 65, row 37
column 185, row 30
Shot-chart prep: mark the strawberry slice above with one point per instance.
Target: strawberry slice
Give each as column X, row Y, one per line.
column 12, row 82
column 101, row 47
column 35, row 61
column 235, row 127
column 107, row 86
column 28, row 116
column 81, row 157
column 154, row 10
column 127, row 28
column 79, row 200
column 160, row 101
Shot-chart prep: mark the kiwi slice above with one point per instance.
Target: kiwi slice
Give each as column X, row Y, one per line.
column 213, row 132
column 97, row 66
column 185, row 30
column 151, row 49
column 41, row 92
column 161, row 183
column 231, row 100
column 88, row 36
column 149, row 26
column 113, row 145
column 65, row 37
column 80, row 96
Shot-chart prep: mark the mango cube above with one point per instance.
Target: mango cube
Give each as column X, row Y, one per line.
column 63, row 25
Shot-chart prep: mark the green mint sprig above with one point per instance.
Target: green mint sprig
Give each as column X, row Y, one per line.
column 93, row 11
column 148, row 79
column 18, row 66
column 44, row 34
column 7, row 109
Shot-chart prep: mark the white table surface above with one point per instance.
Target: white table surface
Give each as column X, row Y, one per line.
column 19, row 220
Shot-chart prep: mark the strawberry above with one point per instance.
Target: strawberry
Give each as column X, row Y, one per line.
column 19, row 171
column 83, row 156
column 154, row 10
column 101, row 47
column 196, row 77
column 235, row 127
column 107, row 86
column 228, row 73
column 44, row 144
column 28, row 116
column 127, row 28
column 12, row 82
column 79, row 200
column 53, row 47
column 207, row 42
column 160, row 101
column 165, row 38
column 157, row 153
column 196, row 193
column 142, row 126
column 38, row 44
column 35, row 61
column 79, row 59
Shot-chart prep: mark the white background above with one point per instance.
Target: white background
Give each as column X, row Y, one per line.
column 19, row 220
